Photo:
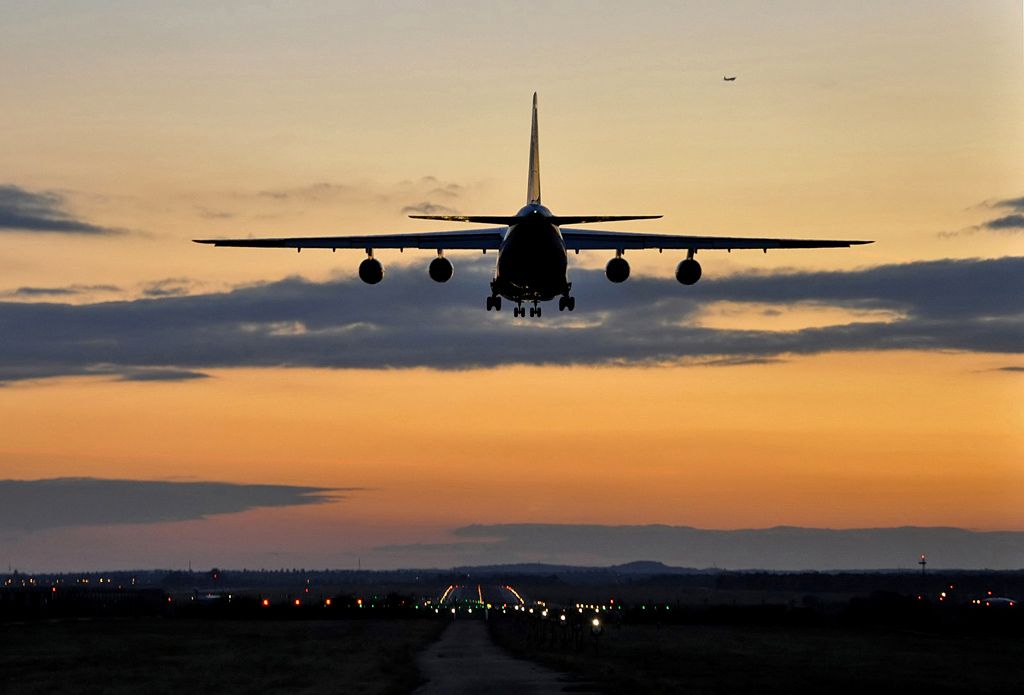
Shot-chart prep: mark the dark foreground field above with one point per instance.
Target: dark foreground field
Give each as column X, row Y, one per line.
column 153, row 655
column 761, row 659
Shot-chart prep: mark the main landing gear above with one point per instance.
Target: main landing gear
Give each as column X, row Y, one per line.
column 565, row 303
column 494, row 303
column 520, row 310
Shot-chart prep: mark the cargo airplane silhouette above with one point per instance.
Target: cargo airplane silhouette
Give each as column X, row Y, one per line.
column 532, row 246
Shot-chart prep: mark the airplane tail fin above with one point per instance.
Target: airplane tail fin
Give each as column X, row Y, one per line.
column 533, row 184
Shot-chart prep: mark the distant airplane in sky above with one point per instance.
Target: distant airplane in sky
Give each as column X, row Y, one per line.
column 730, row 79
column 532, row 247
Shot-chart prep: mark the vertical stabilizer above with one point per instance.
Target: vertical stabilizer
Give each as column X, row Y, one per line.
column 533, row 185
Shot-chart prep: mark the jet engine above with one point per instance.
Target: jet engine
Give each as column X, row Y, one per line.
column 441, row 269
column 371, row 271
column 617, row 269
column 688, row 271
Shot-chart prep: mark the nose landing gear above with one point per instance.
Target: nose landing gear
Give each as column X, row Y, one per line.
column 566, row 302
column 494, row 303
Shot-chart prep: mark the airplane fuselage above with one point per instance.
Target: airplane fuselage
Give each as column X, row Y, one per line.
column 532, row 262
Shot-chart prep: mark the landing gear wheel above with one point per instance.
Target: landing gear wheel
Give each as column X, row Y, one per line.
column 497, row 303
column 538, row 312
column 533, row 312
column 570, row 303
column 490, row 303
column 562, row 303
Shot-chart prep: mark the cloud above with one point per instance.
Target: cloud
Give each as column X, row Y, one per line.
column 1007, row 223
column 427, row 195
column 408, row 321
column 779, row 548
column 428, row 208
column 66, row 291
column 1010, row 203
column 161, row 375
column 32, row 505
column 26, row 211
column 316, row 192
column 168, row 287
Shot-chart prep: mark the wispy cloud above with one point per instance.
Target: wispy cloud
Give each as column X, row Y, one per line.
column 1007, row 223
column 428, row 208
column 408, row 321
column 32, row 505
column 22, row 210
column 65, row 291
column 427, row 195
column 168, row 287
column 160, row 375
column 1012, row 223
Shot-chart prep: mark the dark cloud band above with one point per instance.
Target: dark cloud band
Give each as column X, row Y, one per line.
column 408, row 321
column 27, row 211
column 31, row 505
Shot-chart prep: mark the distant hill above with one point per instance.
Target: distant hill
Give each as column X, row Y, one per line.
column 673, row 549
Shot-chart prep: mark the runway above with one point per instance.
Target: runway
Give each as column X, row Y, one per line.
column 465, row 660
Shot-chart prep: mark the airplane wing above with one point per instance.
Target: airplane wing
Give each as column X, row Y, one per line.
column 587, row 239
column 483, row 239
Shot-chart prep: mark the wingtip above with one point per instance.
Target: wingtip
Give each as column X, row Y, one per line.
column 535, row 98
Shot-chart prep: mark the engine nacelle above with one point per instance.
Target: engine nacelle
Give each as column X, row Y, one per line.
column 688, row 271
column 617, row 269
column 371, row 271
column 441, row 269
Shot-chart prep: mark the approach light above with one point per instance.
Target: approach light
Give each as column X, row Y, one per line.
column 595, row 622
column 327, row 602
column 298, row 602
column 265, row 602
column 562, row 617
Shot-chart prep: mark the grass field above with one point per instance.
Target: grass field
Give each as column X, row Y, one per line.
column 212, row 656
column 764, row 660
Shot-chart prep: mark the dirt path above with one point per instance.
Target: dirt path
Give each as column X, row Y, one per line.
column 465, row 660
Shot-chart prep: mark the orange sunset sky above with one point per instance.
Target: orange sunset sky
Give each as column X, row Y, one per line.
column 848, row 388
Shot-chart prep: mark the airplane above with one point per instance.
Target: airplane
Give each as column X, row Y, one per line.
column 532, row 246
column 729, row 79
